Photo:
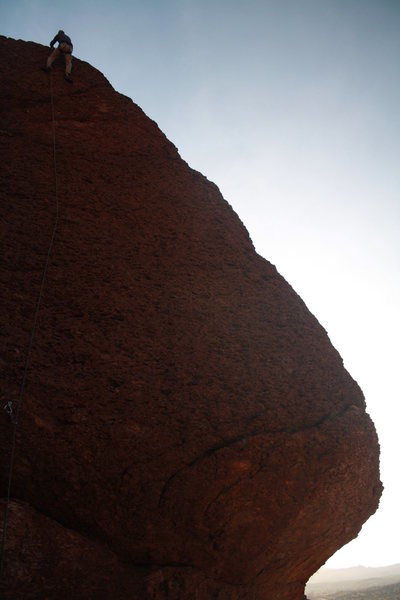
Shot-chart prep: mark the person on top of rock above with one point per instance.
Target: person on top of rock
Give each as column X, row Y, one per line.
column 64, row 47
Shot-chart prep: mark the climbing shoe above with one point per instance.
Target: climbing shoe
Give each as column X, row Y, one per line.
column 46, row 69
column 68, row 78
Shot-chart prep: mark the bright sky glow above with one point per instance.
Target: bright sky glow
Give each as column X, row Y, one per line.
column 292, row 108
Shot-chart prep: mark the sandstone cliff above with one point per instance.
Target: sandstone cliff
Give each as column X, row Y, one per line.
column 187, row 431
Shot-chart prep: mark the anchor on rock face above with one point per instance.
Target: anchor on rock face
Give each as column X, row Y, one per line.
column 10, row 410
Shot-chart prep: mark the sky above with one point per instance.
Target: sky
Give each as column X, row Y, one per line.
column 292, row 108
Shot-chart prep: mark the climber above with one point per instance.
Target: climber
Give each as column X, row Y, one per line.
column 64, row 47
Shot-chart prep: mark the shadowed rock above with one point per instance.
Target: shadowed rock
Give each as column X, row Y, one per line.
column 187, row 431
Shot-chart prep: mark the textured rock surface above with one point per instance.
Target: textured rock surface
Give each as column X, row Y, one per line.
column 187, row 430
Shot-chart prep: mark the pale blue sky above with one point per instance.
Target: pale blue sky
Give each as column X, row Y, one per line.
column 291, row 108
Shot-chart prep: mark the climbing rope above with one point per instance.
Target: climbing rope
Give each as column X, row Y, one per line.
column 9, row 406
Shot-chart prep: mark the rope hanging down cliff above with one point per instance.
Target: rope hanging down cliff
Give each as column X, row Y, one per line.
column 14, row 412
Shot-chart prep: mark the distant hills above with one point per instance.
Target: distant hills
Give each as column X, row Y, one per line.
column 356, row 583
column 387, row 592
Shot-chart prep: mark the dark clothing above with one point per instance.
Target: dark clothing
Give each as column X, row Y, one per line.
column 61, row 38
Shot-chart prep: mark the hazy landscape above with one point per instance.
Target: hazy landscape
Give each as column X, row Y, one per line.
column 358, row 583
column 387, row 592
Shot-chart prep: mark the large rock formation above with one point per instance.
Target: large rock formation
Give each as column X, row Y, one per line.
column 186, row 429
